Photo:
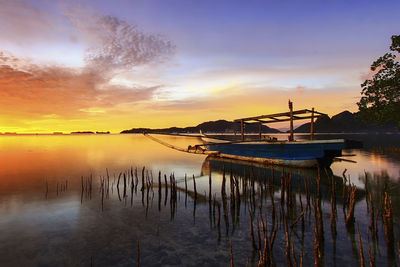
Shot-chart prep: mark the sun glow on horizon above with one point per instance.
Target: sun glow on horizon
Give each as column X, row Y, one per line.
column 66, row 68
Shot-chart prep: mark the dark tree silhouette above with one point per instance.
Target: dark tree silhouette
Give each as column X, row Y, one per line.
column 380, row 100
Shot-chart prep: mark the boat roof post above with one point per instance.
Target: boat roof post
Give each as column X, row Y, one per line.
column 242, row 129
column 291, row 120
column 260, row 130
column 312, row 125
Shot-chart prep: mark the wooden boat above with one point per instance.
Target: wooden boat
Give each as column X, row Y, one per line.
column 288, row 153
column 307, row 153
column 266, row 150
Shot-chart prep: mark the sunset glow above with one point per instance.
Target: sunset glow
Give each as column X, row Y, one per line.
column 102, row 66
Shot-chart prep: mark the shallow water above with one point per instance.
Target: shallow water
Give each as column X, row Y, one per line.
column 47, row 220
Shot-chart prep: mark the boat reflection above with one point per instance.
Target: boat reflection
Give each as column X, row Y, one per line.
column 262, row 173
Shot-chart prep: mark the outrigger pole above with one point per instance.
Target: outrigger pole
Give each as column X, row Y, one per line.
column 194, row 150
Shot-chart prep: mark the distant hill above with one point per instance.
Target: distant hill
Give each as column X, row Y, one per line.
column 220, row 126
column 344, row 122
column 83, row 132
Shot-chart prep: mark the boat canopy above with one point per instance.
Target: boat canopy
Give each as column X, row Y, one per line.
column 282, row 117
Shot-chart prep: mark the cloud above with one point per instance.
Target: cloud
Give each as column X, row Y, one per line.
column 124, row 46
column 31, row 93
column 110, row 42
column 115, row 44
column 36, row 91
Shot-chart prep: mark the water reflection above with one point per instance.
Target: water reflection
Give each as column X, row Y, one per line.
column 26, row 162
column 67, row 200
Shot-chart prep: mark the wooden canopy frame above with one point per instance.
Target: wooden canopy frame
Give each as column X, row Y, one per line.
column 281, row 117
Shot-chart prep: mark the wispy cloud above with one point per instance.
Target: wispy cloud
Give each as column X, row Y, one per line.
column 116, row 44
column 39, row 90
column 53, row 91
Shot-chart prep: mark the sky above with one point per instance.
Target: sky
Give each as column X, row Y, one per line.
column 114, row 65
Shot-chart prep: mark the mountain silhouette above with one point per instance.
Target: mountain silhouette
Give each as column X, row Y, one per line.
column 220, row 126
column 345, row 122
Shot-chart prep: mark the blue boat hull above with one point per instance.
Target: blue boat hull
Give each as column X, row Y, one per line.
column 300, row 154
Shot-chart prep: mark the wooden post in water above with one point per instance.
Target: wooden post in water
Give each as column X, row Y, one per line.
column 260, row 130
column 242, row 129
column 312, row 125
column 291, row 120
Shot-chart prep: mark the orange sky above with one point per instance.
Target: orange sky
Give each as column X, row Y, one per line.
column 75, row 68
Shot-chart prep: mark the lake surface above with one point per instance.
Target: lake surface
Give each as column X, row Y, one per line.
column 61, row 204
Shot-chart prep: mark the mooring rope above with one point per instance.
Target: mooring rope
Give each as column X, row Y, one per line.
column 195, row 151
column 165, row 143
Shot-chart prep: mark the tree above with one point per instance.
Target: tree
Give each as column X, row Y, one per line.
column 380, row 95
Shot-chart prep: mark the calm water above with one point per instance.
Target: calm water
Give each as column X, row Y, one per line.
column 46, row 220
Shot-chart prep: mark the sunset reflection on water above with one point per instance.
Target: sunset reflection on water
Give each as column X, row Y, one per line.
column 48, row 219
column 26, row 162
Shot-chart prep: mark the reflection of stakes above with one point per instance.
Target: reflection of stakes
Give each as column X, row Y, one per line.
column 132, row 186
column 258, row 232
column 209, row 187
column 108, row 184
column 166, row 189
column 371, row 256
column 102, row 194
column 132, row 181
column 372, row 216
column 253, row 242
column 124, row 185
column 333, row 208
column 232, row 190
column 361, row 247
column 185, row 190
column 194, row 187
column 119, row 177
column 159, row 182
column 82, row 189
column 256, row 191
column 138, row 254
column 142, row 188
column 159, row 190
column 301, row 216
column 388, row 224
column 219, row 220
column 231, row 254
column 288, row 242
column 136, row 180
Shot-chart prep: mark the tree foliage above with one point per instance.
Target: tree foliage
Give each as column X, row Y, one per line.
column 380, row 95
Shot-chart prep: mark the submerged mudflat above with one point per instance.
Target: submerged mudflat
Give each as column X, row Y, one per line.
column 123, row 199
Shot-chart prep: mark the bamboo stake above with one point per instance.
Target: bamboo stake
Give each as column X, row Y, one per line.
column 287, row 251
column 294, row 256
column 350, row 214
column 291, row 120
column 253, row 242
column 372, row 216
column 361, row 247
column 388, row 224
